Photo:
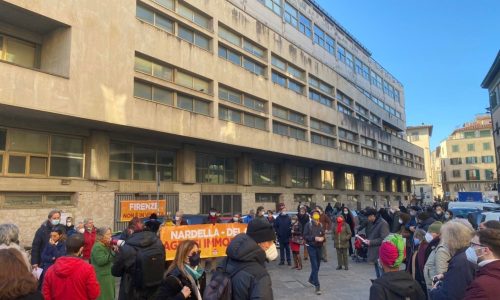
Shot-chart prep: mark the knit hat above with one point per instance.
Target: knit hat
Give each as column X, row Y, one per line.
column 435, row 227
column 261, row 231
column 392, row 251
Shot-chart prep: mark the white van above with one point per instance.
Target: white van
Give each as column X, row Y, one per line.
column 477, row 205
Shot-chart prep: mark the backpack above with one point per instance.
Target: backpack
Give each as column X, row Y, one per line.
column 220, row 286
column 149, row 267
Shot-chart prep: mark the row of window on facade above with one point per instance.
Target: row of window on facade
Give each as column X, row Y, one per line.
column 474, row 174
column 38, row 154
column 471, row 147
column 486, row 159
column 474, row 186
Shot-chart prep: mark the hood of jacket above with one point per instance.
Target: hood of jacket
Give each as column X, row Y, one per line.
column 492, row 270
column 244, row 249
column 400, row 283
column 65, row 266
column 142, row 239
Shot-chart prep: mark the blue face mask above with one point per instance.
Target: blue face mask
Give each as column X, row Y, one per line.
column 416, row 242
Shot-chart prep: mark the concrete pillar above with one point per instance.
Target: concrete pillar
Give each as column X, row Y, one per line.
column 378, row 180
column 286, row 174
column 317, row 182
column 245, row 169
column 340, row 180
column 186, row 169
column 97, row 156
column 358, row 181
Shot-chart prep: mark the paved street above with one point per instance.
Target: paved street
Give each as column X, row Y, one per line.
column 335, row 284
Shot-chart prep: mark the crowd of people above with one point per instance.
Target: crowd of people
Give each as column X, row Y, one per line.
column 417, row 253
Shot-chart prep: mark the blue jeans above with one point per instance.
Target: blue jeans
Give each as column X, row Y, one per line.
column 315, row 258
column 285, row 250
column 378, row 270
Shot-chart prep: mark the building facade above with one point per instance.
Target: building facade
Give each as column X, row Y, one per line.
column 491, row 82
column 224, row 104
column 468, row 159
column 421, row 136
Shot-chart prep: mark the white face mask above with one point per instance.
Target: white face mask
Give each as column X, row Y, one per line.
column 272, row 252
column 177, row 218
column 81, row 230
column 400, row 221
column 68, row 224
column 235, row 219
column 212, row 214
column 428, row 237
column 471, row 255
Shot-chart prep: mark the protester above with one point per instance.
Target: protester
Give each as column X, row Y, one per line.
column 420, row 245
column 314, row 236
column 246, row 257
column 270, row 217
column 395, row 225
column 184, row 279
column 384, row 214
column 9, row 238
column 212, row 217
column 448, row 216
column 341, row 237
column 394, row 284
column 250, row 216
column 296, row 242
column 260, row 212
column 283, row 225
column 326, row 222
column 16, row 281
column 329, row 210
column 152, row 224
column 438, row 214
column 484, row 251
column 179, row 219
column 425, row 220
column 70, row 226
column 89, row 236
column 349, row 219
column 139, row 263
column 71, row 276
column 167, row 222
column 460, row 274
column 42, row 237
column 53, row 250
column 102, row 258
column 379, row 230
column 303, row 217
column 236, row 219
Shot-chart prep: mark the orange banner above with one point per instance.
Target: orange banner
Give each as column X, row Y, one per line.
column 213, row 239
column 141, row 208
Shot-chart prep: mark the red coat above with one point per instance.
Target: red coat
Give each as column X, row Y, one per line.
column 486, row 286
column 89, row 238
column 70, row 277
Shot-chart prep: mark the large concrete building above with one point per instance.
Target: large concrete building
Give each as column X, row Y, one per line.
column 421, row 136
column 467, row 159
column 491, row 82
column 229, row 104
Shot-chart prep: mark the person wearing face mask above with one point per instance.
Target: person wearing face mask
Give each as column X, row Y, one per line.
column 102, row 257
column 236, row 219
column 184, row 278
column 245, row 262
column 260, row 212
column 270, row 217
column 283, row 225
column 484, row 251
column 140, row 263
column 42, row 236
column 419, row 243
column 70, row 276
column 89, row 236
column 314, row 236
column 453, row 283
column 438, row 213
column 326, row 222
column 53, row 250
column 341, row 237
column 379, row 230
column 179, row 219
column 70, row 226
column 212, row 217
column 296, row 242
column 303, row 217
column 394, row 215
column 448, row 216
column 349, row 219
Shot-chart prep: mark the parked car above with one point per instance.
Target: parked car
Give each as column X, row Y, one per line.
column 463, row 212
column 490, row 215
column 476, row 205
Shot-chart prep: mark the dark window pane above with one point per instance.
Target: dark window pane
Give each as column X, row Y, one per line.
column 22, row 200
column 67, row 146
column 17, row 164
column 144, row 14
column 186, row 34
column 144, row 155
column 56, row 200
column 166, row 173
column 234, row 57
column 3, row 138
column 217, row 202
column 120, row 170
column 38, row 165
column 120, row 152
column 144, row 172
column 164, row 23
column 66, row 167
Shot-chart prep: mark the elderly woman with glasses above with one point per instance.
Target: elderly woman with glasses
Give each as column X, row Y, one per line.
column 184, row 279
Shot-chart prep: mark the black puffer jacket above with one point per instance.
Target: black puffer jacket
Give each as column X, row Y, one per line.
column 396, row 286
column 252, row 280
column 124, row 264
column 175, row 281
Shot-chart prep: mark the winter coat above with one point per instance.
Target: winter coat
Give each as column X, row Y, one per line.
column 311, row 231
column 439, row 218
column 153, row 225
column 89, row 240
column 341, row 240
column 51, row 253
column 124, row 264
column 173, row 284
column 102, row 259
column 426, row 223
column 70, row 276
column 377, row 233
column 297, row 233
column 349, row 219
column 437, row 263
column 395, row 227
column 396, row 286
column 213, row 219
column 252, row 280
column 303, row 219
column 486, row 285
column 283, row 226
column 42, row 237
column 32, row 296
column 460, row 274
column 325, row 221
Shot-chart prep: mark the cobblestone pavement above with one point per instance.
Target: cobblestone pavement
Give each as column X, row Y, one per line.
column 352, row 284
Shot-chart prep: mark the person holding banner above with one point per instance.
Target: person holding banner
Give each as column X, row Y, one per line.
column 184, row 278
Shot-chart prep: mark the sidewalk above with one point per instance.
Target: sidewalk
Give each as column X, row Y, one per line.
column 352, row 284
